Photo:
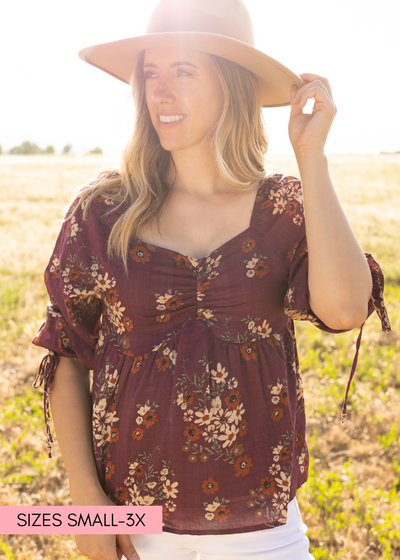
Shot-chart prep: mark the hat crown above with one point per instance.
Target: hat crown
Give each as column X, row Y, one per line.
column 222, row 17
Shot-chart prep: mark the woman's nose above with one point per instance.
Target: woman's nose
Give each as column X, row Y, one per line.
column 162, row 92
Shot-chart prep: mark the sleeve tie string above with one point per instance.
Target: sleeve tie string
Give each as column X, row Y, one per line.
column 45, row 376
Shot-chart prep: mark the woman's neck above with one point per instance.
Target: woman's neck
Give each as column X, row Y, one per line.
column 196, row 173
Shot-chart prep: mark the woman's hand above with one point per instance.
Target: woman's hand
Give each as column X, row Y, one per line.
column 308, row 133
column 104, row 547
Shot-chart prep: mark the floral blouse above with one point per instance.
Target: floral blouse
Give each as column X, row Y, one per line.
column 197, row 393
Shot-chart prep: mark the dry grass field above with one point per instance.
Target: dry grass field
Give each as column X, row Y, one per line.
column 351, row 502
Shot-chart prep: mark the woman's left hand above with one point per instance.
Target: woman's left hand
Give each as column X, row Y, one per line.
column 308, row 132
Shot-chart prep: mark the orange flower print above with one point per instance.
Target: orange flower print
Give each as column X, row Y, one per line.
column 251, row 504
column 56, row 273
column 182, row 261
column 165, row 513
column 202, row 286
column 304, row 253
column 243, row 465
column 126, row 344
column 112, row 296
column 291, row 208
column 243, row 427
column 272, row 341
column 268, row 485
column 189, row 397
column 74, row 275
column 114, row 436
column 204, row 457
column 284, row 396
column 63, row 342
column 238, row 449
column 122, row 494
column 68, row 229
column 248, row 351
column 127, row 323
column 60, row 324
column 111, row 407
column 277, row 414
column 292, row 253
column 267, row 203
column 137, row 364
column 248, row 245
column 285, row 455
column 192, row 432
column 298, row 439
column 150, row 418
column 163, row 363
column 138, row 433
column 173, row 303
column 140, row 254
column 74, row 323
column 261, row 269
column 110, row 470
column 222, row 513
column 232, row 400
column 210, row 486
column 138, row 470
column 163, row 318
column 186, row 448
column 192, row 458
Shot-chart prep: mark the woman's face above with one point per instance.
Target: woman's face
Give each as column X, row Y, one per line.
column 183, row 95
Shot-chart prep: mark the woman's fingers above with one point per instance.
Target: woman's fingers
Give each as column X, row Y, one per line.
column 311, row 90
column 106, row 547
column 317, row 91
column 309, row 132
column 126, row 548
column 307, row 78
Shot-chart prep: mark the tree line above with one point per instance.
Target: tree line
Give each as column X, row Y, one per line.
column 30, row 148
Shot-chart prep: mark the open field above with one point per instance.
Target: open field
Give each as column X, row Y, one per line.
column 351, row 502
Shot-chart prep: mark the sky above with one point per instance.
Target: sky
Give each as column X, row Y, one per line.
column 49, row 96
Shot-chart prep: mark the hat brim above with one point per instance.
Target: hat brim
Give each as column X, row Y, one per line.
column 119, row 59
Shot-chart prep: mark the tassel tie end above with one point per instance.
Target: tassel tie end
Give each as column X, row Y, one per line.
column 352, row 372
column 45, row 378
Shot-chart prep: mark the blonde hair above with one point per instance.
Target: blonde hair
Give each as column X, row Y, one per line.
column 239, row 145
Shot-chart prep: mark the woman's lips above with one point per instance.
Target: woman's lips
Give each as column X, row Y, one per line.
column 167, row 125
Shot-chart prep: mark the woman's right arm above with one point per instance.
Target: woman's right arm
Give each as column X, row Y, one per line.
column 71, row 408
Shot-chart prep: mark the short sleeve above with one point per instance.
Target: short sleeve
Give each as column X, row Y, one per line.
column 74, row 310
column 285, row 199
column 296, row 304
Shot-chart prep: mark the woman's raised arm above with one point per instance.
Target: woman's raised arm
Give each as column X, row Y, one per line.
column 340, row 281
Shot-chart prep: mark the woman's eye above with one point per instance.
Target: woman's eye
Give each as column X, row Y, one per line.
column 184, row 73
column 148, row 75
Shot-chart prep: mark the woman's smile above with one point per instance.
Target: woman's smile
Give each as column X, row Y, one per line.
column 170, row 120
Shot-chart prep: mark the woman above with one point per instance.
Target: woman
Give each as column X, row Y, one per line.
column 177, row 281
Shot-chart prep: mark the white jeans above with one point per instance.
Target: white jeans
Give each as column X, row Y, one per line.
column 286, row 542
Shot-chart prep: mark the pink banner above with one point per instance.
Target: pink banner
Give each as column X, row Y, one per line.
column 85, row 520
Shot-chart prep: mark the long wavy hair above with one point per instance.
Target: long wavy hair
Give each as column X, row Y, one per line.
column 239, row 145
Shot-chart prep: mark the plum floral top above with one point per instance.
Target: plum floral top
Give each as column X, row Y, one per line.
column 197, row 393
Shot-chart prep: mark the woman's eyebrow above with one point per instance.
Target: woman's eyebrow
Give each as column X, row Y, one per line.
column 179, row 63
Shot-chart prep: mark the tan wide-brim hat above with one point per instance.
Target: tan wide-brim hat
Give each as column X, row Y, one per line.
column 219, row 27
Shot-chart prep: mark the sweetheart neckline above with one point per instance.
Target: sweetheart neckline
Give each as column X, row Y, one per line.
column 221, row 247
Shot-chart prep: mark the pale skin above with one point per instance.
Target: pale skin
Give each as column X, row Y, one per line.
column 202, row 214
